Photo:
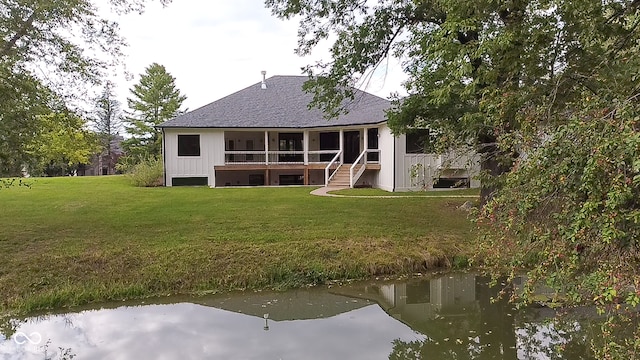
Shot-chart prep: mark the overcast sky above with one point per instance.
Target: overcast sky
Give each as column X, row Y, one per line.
column 214, row 48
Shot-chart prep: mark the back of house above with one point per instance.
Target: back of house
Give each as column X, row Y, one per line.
column 267, row 135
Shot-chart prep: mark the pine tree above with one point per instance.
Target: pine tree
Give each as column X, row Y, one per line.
column 155, row 100
column 107, row 123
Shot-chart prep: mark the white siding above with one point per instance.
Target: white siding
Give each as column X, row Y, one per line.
column 394, row 175
column 416, row 172
column 211, row 154
column 386, row 143
column 453, row 291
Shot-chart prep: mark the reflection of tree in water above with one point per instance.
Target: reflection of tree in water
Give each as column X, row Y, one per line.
column 490, row 329
column 61, row 354
column 552, row 338
column 8, row 327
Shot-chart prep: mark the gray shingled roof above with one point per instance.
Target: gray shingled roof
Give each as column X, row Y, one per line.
column 283, row 104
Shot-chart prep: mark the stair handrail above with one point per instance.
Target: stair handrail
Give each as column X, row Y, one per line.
column 327, row 176
column 353, row 178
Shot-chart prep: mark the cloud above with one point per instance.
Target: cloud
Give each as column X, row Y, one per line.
column 190, row 331
column 214, row 48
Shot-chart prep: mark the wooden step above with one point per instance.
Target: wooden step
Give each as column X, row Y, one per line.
column 341, row 178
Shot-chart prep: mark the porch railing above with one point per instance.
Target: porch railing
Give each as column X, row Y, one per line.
column 286, row 157
column 278, row 157
column 244, row 157
column 322, row 156
column 332, row 168
column 360, row 165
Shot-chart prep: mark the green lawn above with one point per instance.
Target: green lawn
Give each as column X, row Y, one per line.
column 68, row 241
column 431, row 193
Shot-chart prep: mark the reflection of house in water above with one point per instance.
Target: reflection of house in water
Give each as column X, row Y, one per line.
column 451, row 295
column 455, row 312
column 301, row 304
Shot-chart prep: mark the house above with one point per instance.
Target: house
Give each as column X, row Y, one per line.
column 266, row 134
column 458, row 313
column 104, row 163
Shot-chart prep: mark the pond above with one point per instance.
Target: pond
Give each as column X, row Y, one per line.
column 447, row 317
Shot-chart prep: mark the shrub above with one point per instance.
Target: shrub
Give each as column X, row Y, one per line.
column 148, row 172
column 126, row 163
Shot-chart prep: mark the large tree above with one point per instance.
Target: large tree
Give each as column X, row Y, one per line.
column 481, row 73
column 22, row 99
column 48, row 50
column 547, row 92
column 63, row 142
column 107, row 121
column 155, row 99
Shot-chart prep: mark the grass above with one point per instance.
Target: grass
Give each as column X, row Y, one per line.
column 432, row 193
column 71, row 241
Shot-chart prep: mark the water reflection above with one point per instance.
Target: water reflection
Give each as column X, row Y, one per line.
column 451, row 317
column 463, row 318
column 195, row 331
column 454, row 312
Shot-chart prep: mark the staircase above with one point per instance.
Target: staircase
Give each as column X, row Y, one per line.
column 341, row 178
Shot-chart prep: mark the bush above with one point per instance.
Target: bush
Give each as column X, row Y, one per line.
column 147, row 172
column 126, row 163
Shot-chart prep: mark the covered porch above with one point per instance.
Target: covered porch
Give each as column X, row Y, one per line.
column 297, row 157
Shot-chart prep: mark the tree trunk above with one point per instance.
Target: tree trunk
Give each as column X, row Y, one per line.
column 493, row 163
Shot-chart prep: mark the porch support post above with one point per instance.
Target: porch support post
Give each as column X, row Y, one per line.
column 305, row 147
column 366, row 142
column 267, row 181
column 306, row 175
column 341, row 146
column 266, row 150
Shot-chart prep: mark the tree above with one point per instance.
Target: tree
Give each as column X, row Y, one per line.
column 155, row 100
column 48, row 51
column 107, row 122
column 569, row 216
column 480, row 73
column 63, row 142
column 22, row 99
column 547, row 93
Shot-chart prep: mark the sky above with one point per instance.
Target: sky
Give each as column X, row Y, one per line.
column 215, row 48
column 192, row 331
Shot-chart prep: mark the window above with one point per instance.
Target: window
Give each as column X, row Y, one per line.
column 372, row 136
column 418, row 141
column 290, row 142
column 418, row 293
column 188, row 145
column 372, row 143
column 450, row 183
column 329, row 141
column 291, row 179
column 189, row 181
column 256, row 179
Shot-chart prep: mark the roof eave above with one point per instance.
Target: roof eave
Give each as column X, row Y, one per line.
column 271, row 127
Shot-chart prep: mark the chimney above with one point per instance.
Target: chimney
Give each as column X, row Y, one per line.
column 264, row 78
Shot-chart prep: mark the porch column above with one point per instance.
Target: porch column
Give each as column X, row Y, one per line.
column 341, row 146
column 366, row 143
column 266, row 148
column 305, row 146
